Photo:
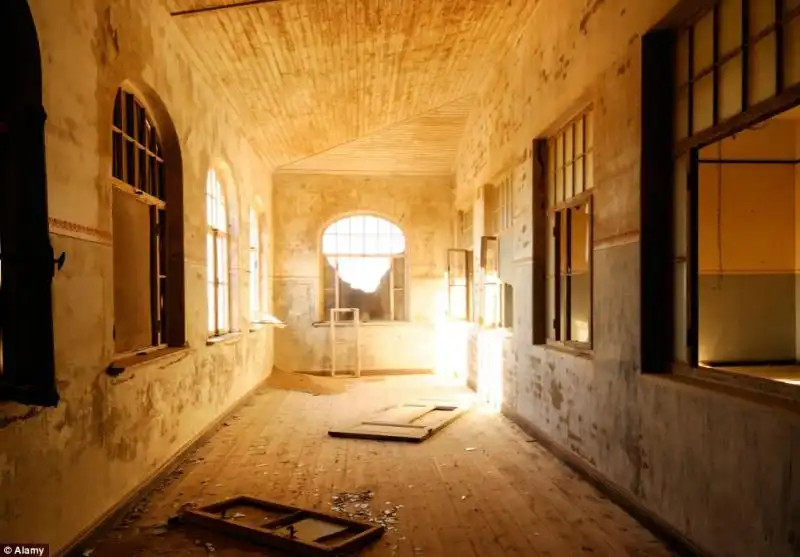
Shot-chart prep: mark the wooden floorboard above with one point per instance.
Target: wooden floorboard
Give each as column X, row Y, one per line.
column 478, row 487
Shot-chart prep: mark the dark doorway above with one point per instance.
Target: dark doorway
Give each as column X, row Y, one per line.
column 27, row 371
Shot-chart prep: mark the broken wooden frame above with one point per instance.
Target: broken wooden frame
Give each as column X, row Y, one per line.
column 412, row 422
column 300, row 531
column 355, row 324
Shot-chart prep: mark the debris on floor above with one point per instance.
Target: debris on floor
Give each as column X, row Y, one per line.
column 357, row 506
column 412, row 422
column 289, row 528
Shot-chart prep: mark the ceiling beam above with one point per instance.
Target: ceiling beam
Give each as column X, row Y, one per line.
column 208, row 9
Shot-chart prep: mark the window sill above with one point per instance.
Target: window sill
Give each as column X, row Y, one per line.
column 580, row 350
column 123, row 363
column 269, row 321
column 362, row 324
column 736, row 383
column 227, row 338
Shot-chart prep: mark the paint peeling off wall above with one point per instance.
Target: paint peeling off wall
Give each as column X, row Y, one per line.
column 109, row 435
column 685, row 451
column 306, row 203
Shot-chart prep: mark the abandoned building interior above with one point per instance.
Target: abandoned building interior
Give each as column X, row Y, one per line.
column 233, row 230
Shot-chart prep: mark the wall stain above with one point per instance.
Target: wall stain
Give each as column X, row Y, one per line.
column 556, row 395
column 587, row 16
column 32, row 412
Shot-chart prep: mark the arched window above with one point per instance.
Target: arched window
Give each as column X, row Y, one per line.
column 218, row 254
column 148, row 263
column 255, row 268
column 363, row 261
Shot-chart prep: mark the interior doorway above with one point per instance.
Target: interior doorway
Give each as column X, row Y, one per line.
column 26, row 321
column 748, row 251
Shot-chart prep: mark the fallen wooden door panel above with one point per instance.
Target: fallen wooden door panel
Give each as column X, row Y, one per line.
column 412, row 422
column 298, row 531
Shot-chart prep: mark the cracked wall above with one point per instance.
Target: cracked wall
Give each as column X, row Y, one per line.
column 706, row 460
column 109, row 435
column 304, row 204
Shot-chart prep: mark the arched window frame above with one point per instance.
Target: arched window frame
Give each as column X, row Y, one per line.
column 218, row 253
column 139, row 174
column 331, row 283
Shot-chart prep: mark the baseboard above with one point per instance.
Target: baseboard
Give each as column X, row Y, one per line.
column 676, row 541
column 108, row 520
column 368, row 372
column 750, row 363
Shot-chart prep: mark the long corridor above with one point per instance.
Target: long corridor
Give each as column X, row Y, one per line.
column 478, row 488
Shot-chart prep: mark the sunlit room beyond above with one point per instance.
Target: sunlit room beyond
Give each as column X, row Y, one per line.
column 749, row 252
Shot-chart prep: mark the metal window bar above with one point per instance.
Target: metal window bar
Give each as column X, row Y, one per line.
column 334, row 322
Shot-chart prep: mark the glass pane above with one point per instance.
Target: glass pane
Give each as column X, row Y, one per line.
column 579, row 176
column 568, row 182
column 210, row 278
column 399, row 272
column 730, row 88
column 704, row 43
column 730, row 26
column 562, row 308
column 371, row 246
column 682, row 114
column 118, row 110
column 791, row 45
column 580, row 281
column 682, row 61
column 681, row 352
column 579, row 145
column 763, row 59
column 589, row 170
column 211, row 306
column 128, row 110
column 559, row 184
column 399, row 305
column 116, row 163
column 551, row 173
column 129, row 172
column 568, row 151
column 681, row 200
column 703, row 103
column 762, row 15
column 589, row 130
column 561, row 218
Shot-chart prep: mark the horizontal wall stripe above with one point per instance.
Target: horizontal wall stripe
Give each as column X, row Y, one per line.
column 623, row 239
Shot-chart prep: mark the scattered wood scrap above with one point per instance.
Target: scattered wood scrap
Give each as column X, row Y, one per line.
column 412, row 422
column 299, row 531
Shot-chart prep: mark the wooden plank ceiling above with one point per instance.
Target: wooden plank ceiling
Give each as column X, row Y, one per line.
column 365, row 85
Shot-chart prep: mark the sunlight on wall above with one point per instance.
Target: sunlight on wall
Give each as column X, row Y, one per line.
column 580, row 328
column 451, row 342
column 490, row 369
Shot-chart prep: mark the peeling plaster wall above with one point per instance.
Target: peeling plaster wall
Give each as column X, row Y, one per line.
column 304, row 204
column 108, row 436
column 708, row 461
